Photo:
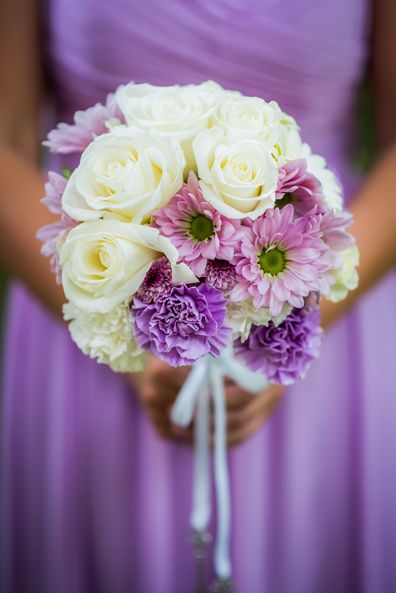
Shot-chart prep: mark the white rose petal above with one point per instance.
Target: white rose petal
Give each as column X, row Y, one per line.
column 106, row 337
column 105, row 261
column 126, row 172
column 179, row 112
column 238, row 176
column 290, row 144
column 250, row 115
column 345, row 277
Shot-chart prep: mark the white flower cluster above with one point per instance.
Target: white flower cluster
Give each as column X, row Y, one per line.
column 108, row 338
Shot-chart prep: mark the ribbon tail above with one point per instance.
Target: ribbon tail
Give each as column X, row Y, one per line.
column 222, row 553
column 201, row 506
column 184, row 407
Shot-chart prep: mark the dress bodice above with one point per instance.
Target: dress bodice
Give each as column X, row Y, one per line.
column 306, row 54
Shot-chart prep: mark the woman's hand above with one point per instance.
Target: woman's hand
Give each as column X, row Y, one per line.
column 157, row 388
column 159, row 384
column 246, row 413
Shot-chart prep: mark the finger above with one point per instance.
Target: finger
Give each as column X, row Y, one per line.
column 259, row 405
column 235, row 397
column 160, row 371
column 244, row 431
column 169, row 434
column 238, row 405
column 238, row 436
column 166, row 430
column 153, row 396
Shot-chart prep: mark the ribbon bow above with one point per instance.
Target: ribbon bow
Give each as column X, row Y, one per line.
column 206, row 381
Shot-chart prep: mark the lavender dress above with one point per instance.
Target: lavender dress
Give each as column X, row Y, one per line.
column 92, row 501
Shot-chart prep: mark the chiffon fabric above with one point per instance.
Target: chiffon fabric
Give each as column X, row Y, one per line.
column 91, row 500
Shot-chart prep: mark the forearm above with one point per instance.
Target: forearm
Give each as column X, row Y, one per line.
column 374, row 210
column 22, row 215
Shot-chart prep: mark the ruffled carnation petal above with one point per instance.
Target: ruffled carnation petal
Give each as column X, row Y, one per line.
column 283, row 352
column 182, row 325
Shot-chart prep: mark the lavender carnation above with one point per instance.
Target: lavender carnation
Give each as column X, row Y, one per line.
column 182, row 325
column 283, row 352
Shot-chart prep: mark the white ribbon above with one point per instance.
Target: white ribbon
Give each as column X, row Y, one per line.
column 205, row 381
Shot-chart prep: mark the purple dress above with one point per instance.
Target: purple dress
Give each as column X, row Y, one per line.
column 92, row 501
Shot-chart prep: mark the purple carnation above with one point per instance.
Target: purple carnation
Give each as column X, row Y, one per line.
column 183, row 325
column 283, row 352
column 157, row 281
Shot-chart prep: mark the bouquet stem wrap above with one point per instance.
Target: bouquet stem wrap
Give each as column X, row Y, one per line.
column 205, row 382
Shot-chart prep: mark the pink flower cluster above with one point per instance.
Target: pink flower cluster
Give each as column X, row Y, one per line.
column 69, row 138
column 52, row 234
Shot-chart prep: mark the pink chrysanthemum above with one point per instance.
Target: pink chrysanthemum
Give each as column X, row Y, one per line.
column 157, row 281
column 279, row 260
column 333, row 227
column 54, row 188
column 53, row 234
column 334, row 234
column 198, row 231
column 220, row 274
column 299, row 187
column 88, row 124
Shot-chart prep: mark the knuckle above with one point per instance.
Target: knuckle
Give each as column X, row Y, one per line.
column 151, row 396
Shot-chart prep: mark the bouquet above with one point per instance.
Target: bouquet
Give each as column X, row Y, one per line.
column 199, row 227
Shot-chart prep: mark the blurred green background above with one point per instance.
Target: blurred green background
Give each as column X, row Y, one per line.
column 362, row 158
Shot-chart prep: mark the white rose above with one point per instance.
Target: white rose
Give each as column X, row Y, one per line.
column 126, row 172
column 104, row 262
column 290, row 144
column 241, row 316
column 107, row 337
column 251, row 115
column 238, row 176
column 345, row 277
column 176, row 111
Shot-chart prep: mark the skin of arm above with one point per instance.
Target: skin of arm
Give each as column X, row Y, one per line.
column 21, row 182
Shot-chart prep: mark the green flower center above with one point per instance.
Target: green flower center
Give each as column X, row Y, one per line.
column 287, row 199
column 272, row 261
column 201, row 227
column 66, row 173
